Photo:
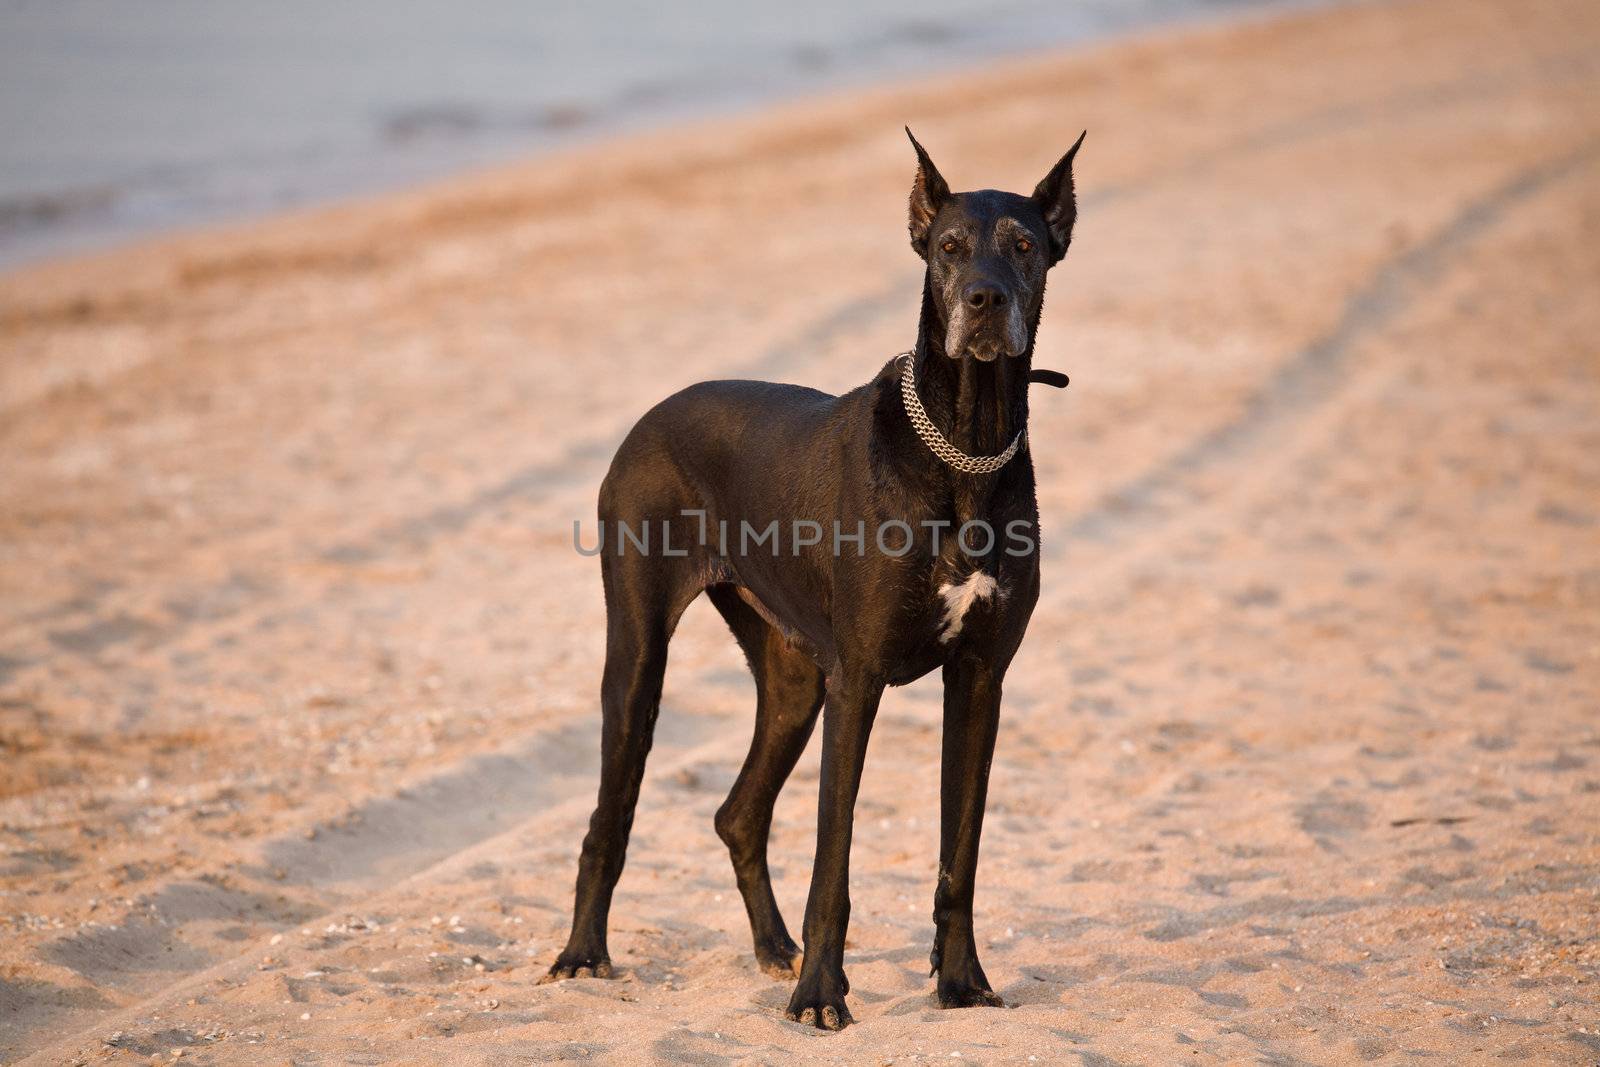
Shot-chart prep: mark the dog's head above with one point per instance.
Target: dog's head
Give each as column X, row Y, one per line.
column 988, row 253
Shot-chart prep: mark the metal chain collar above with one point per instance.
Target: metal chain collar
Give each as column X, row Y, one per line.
column 935, row 440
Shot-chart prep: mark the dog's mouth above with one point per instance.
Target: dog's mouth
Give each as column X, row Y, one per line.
column 986, row 338
column 987, row 349
column 985, row 344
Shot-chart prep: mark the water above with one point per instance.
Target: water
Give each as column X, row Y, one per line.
column 118, row 119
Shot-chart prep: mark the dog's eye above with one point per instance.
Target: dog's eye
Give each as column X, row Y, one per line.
column 1024, row 245
column 949, row 248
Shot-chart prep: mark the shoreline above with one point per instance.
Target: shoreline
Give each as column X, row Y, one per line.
column 493, row 134
column 667, row 130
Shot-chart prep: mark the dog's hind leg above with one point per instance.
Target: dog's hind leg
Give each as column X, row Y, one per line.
column 644, row 597
column 789, row 690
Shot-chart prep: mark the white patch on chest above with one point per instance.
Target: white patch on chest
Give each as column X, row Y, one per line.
column 958, row 600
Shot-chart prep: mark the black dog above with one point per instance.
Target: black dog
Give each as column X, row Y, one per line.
column 906, row 473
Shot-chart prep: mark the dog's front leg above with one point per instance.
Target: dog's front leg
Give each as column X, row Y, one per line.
column 971, row 718
column 847, row 715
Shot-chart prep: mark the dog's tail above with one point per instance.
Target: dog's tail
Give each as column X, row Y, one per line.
column 1048, row 377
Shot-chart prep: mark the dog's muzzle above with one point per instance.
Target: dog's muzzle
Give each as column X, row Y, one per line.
column 986, row 335
column 986, row 348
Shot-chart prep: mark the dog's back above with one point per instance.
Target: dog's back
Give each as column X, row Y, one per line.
column 720, row 446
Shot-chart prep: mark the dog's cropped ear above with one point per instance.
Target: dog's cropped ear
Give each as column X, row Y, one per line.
column 928, row 195
column 1058, row 202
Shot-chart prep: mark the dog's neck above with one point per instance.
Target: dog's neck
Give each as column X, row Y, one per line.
column 978, row 406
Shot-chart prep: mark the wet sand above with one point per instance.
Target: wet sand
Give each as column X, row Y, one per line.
column 1300, row 762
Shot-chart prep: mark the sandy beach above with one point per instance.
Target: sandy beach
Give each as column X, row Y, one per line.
column 1300, row 761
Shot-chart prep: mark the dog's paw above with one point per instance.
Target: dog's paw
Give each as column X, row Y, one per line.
column 578, row 965
column 820, row 1004
column 968, row 995
column 964, row 985
column 779, row 960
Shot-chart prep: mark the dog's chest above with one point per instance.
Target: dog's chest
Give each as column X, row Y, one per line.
column 956, row 599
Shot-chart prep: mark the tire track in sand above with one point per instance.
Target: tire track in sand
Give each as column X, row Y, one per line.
column 1314, row 375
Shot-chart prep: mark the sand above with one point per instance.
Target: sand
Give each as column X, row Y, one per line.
column 1300, row 762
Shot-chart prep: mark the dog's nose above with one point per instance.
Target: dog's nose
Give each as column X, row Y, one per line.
column 980, row 297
